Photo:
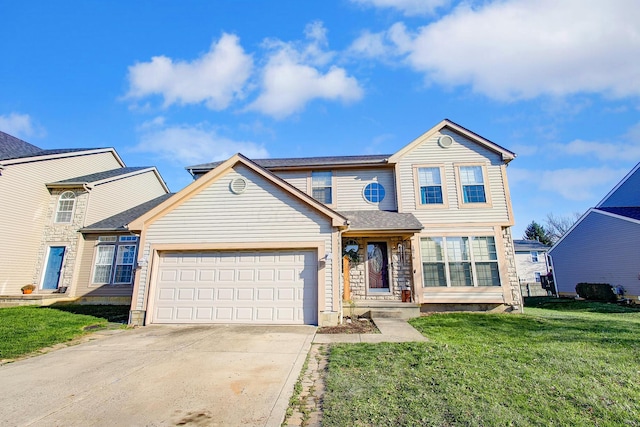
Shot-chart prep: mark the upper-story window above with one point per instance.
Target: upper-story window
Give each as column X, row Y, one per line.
column 374, row 192
column 430, row 183
column 472, row 182
column 534, row 256
column 322, row 186
column 66, row 203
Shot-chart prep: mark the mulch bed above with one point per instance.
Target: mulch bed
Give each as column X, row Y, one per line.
column 360, row 325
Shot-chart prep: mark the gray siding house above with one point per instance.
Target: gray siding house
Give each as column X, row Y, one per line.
column 263, row 241
column 603, row 246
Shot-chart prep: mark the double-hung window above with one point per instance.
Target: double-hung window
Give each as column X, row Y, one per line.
column 115, row 260
column 322, row 186
column 534, row 256
column 459, row 261
column 472, row 183
column 430, row 184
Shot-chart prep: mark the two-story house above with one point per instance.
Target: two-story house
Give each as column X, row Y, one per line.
column 47, row 197
column 262, row 241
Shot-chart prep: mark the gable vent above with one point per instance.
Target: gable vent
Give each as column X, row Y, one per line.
column 445, row 141
column 238, row 185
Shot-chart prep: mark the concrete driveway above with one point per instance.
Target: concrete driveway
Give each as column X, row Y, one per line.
column 160, row 376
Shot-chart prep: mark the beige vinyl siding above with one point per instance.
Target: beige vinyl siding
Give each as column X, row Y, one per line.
column 25, row 201
column 298, row 179
column 119, row 195
column 462, row 152
column 351, row 183
column 349, row 186
column 263, row 213
column 83, row 286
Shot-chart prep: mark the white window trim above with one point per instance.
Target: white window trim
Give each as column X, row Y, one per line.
column 443, row 185
column 103, row 241
column 132, row 264
column 73, row 208
column 536, row 258
column 487, row 189
column 334, row 187
column 472, row 260
column 369, row 201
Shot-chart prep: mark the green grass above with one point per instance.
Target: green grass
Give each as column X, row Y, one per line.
column 24, row 330
column 561, row 363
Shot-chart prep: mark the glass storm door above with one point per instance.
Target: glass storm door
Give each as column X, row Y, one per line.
column 54, row 266
column 378, row 266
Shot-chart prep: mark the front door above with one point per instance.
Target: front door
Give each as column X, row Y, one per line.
column 54, row 266
column 377, row 267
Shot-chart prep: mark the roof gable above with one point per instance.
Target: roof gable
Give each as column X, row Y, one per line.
column 107, row 176
column 626, row 192
column 506, row 155
column 199, row 185
column 12, row 147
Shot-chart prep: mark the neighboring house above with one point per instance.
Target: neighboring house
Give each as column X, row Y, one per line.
column 603, row 246
column 531, row 260
column 262, row 241
column 47, row 197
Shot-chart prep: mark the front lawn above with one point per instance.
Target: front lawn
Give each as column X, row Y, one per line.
column 27, row 329
column 565, row 364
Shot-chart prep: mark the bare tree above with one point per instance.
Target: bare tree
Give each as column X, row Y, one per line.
column 556, row 226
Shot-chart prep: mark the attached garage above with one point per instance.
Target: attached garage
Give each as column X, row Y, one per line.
column 249, row 286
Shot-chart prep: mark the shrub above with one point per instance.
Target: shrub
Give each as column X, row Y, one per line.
column 596, row 292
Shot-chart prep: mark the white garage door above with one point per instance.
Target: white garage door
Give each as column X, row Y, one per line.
column 267, row 286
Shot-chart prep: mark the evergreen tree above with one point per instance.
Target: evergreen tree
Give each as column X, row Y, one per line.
column 535, row 231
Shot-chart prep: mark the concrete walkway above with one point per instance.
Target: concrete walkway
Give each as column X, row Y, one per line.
column 308, row 413
column 391, row 330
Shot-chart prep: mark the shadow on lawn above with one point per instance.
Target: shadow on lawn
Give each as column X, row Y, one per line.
column 113, row 313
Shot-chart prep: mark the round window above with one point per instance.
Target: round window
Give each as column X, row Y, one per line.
column 374, row 192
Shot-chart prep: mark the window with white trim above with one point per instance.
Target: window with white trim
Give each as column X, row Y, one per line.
column 472, row 183
column 115, row 260
column 66, row 203
column 538, row 277
column 534, row 256
column 459, row 261
column 322, row 186
column 430, row 183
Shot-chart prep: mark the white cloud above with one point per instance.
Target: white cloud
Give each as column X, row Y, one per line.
column 188, row 145
column 408, row 7
column 216, row 78
column 522, row 49
column 19, row 125
column 574, row 184
column 295, row 74
column 600, row 150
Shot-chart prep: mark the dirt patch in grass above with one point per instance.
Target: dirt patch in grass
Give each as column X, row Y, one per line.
column 360, row 325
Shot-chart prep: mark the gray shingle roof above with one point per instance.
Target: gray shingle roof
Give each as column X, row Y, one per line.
column 382, row 220
column 99, row 176
column 628, row 212
column 529, row 245
column 12, row 147
column 119, row 221
column 305, row 162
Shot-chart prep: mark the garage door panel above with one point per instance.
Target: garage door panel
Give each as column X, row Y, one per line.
column 270, row 286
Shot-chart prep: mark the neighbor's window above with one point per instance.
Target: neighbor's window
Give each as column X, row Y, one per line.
column 374, row 192
column 430, row 183
column 66, row 203
column 534, row 256
column 321, row 187
column 115, row 260
column 459, row 261
column 472, row 182
column 537, row 277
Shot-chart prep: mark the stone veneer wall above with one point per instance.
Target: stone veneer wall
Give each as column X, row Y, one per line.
column 510, row 254
column 61, row 235
column 401, row 273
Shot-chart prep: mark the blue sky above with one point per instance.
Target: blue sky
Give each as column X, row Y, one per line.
column 175, row 83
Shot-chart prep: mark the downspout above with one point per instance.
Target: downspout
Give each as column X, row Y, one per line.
column 87, row 188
